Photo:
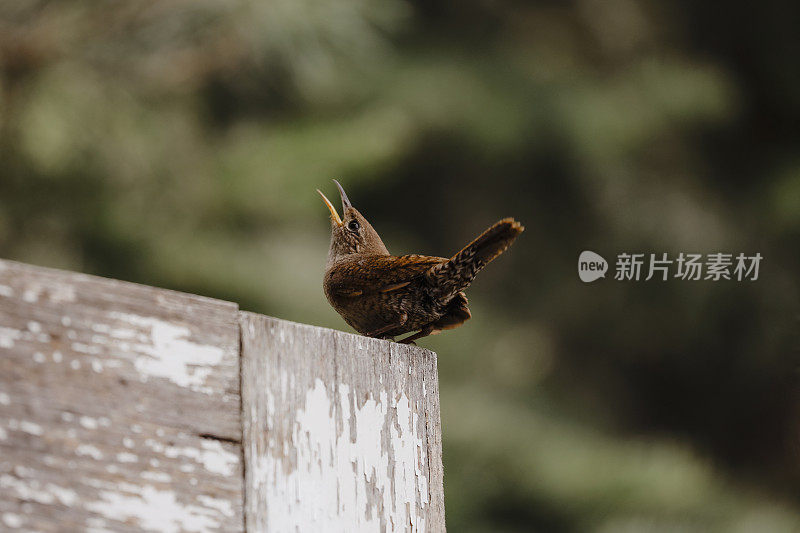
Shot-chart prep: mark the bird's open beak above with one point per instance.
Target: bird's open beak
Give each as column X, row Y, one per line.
column 345, row 200
column 334, row 214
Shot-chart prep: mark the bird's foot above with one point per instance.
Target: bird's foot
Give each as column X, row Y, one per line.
column 422, row 333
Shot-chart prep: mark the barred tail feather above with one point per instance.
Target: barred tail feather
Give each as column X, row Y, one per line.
column 455, row 275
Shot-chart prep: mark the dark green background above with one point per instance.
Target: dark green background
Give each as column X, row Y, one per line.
column 178, row 144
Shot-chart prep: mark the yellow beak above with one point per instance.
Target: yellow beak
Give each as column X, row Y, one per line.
column 334, row 214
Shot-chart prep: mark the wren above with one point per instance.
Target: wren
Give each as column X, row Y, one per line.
column 381, row 295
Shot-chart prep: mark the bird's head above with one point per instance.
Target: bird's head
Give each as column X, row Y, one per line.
column 351, row 233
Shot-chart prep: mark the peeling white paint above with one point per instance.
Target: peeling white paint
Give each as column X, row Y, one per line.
column 30, row 427
column 31, row 293
column 211, row 455
column 126, row 334
column 153, row 509
column 9, row 336
column 223, row 506
column 99, row 524
column 155, row 445
column 91, row 451
column 12, row 520
column 5, row 399
column 30, row 489
column 24, row 471
column 158, row 477
column 6, row 291
column 22, row 490
column 341, row 466
column 101, row 328
column 409, row 450
column 66, row 496
column 126, row 457
column 171, row 355
column 88, row 422
column 91, row 349
column 61, row 293
column 25, row 426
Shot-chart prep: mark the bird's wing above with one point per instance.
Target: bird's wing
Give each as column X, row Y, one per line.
column 378, row 273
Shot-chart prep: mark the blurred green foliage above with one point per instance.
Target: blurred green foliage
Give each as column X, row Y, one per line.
column 179, row 144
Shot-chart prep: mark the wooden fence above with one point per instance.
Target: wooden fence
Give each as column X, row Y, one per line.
column 131, row 408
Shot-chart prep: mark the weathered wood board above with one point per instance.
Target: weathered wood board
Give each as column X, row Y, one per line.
column 342, row 432
column 120, row 410
column 119, row 406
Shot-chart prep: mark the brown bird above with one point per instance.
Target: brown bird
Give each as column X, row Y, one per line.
column 381, row 295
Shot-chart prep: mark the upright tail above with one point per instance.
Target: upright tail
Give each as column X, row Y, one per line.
column 452, row 277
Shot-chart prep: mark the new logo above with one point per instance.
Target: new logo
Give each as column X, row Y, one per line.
column 591, row 266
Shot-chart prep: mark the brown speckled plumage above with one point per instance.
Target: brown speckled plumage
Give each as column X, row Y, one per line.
column 381, row 295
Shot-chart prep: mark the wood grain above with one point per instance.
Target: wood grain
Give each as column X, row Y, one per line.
column 341, row 432
column 119, row 406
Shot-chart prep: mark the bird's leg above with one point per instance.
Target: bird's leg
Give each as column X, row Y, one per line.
column 401, row 319
column 427, row 330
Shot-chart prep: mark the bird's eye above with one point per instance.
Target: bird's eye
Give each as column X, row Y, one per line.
column 353, row 225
